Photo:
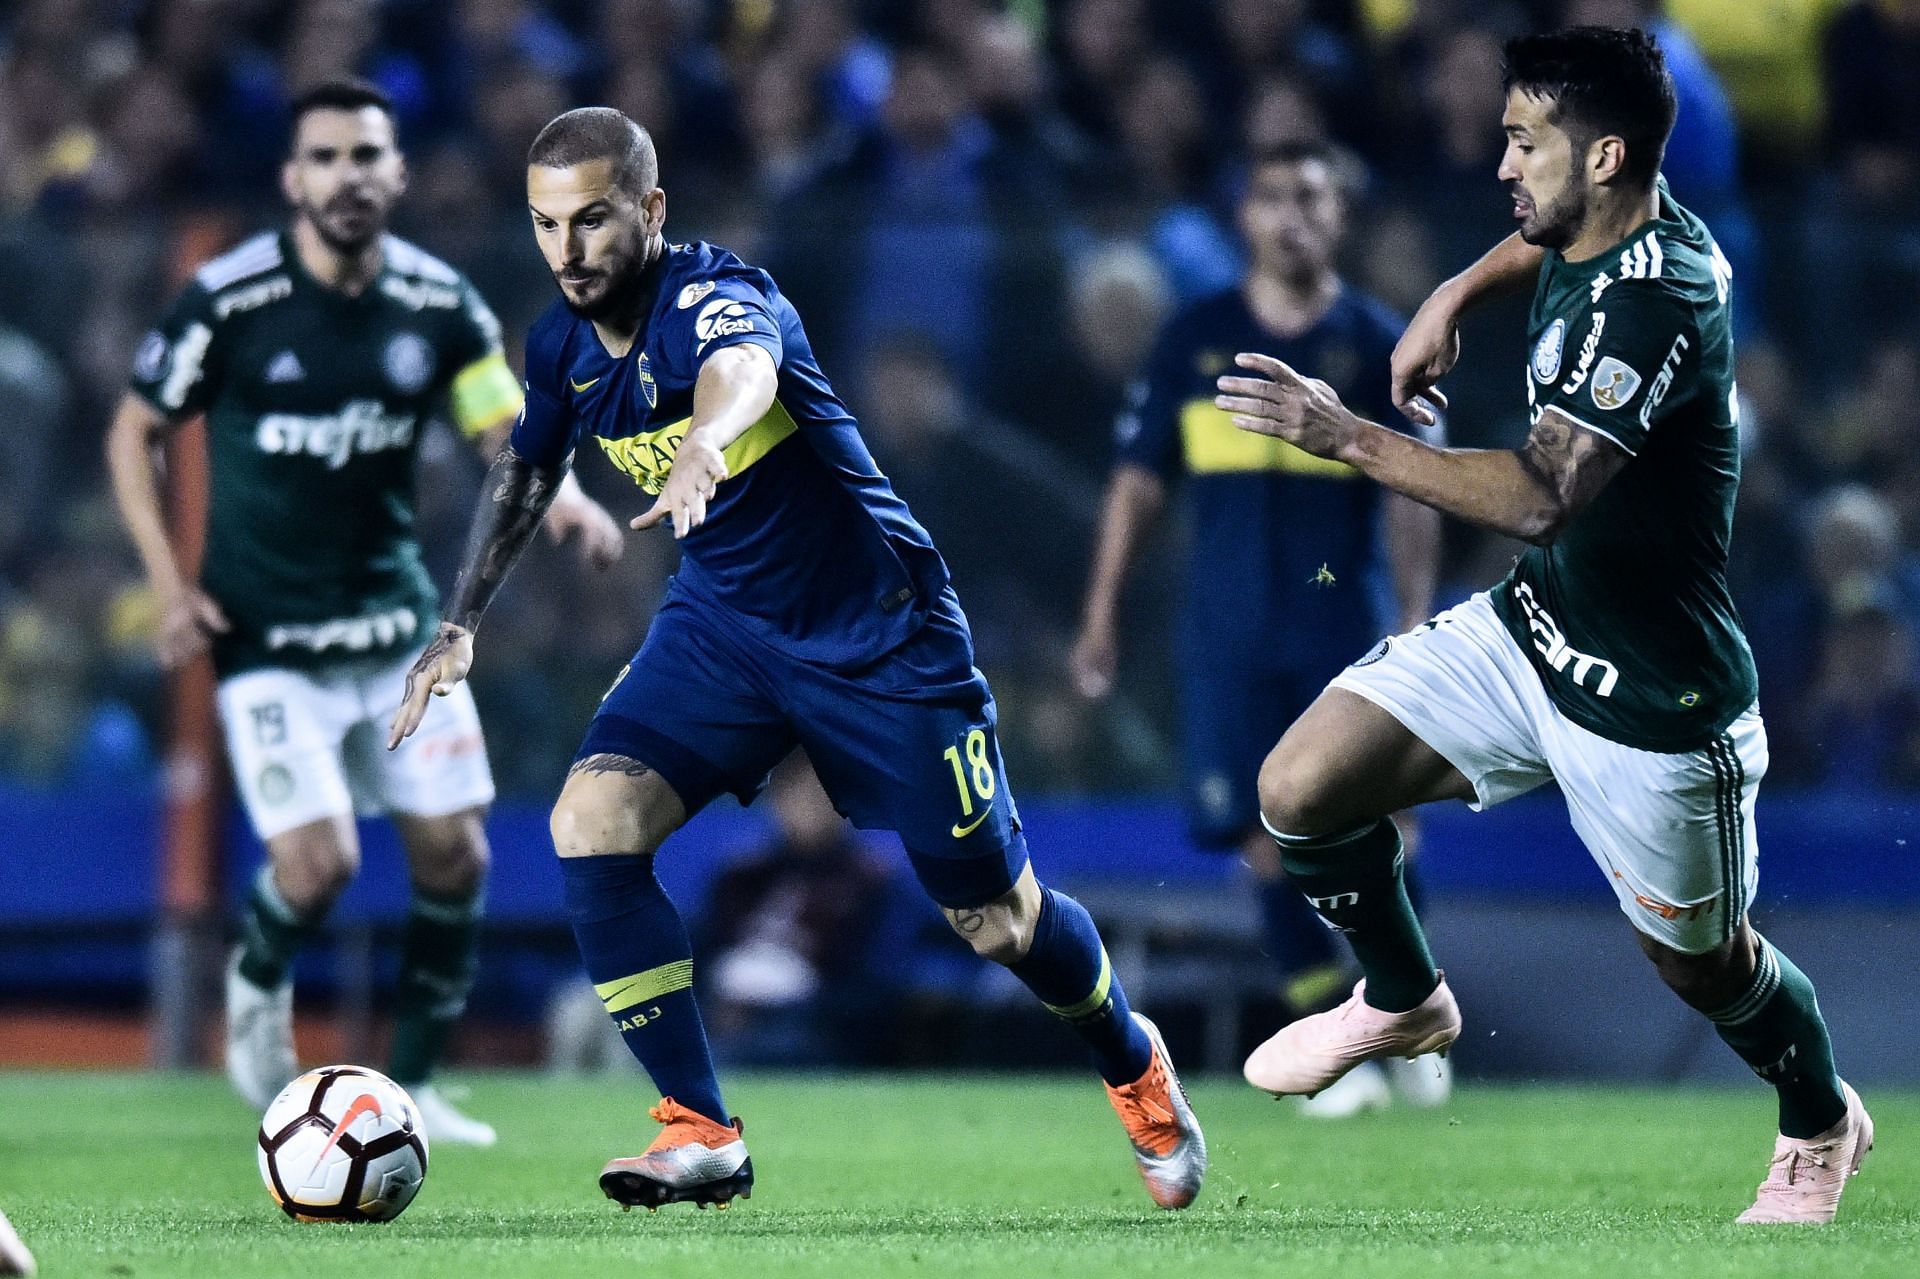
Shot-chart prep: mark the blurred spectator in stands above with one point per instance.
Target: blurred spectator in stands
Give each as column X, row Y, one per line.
column 1118, row 295
column 1100, row 45
column 1860, row 669
column 149, row 145
column 781, row 116
column 1872, row 69
column 1174, row 156
column 1452, row 154
column 46, row 144
column 1262, row 38
column 1860, row 723
column 34, row 390
column 852, row 71
column 924, row 225
column 1768, row 57
column 514, row 102
column 787, row 940
column 1008, row 78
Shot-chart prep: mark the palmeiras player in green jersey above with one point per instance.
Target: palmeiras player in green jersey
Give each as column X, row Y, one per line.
column 1609, row 660
column 810, row 609
column 318, row 355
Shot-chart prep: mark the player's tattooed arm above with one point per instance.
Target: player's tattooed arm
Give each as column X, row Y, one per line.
column 516, row 496
column 514, row 499
column 1570, row 464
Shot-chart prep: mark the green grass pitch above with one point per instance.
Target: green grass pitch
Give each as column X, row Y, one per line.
column 143, row 1177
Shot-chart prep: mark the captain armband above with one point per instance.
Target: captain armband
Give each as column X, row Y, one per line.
column 485, row 395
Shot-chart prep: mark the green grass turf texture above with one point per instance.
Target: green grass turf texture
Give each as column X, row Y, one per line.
column 153, row 1175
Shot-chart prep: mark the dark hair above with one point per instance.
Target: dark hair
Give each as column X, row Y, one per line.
column 340, row 93
column 1602, row 80
column 599, row 133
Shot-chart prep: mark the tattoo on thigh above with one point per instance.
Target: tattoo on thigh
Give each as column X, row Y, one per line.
column 967, row 922
column 620, row 765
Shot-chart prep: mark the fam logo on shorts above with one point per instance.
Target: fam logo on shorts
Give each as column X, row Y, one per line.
column 408, row 361
column 1546, row 352
column 1613, row 383
column 275, row 784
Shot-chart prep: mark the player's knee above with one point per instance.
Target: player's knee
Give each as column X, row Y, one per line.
column 1298, row 793
column 447, row 856
column 1002, row 930
column 1707, row 979
column 592, row 826
column 312, row 867
column 997, row 932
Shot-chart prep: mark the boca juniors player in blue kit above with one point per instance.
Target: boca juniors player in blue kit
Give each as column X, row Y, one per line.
column 809, row 609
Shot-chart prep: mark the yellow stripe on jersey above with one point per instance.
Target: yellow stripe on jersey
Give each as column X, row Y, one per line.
column 624, row 992
column 648, row 457
column 484, row 395
column 1215, row 446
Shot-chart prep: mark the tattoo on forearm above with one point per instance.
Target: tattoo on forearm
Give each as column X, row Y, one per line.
column 616, row 765
column 517, row 495
column 1547, row 457
column 967, row 922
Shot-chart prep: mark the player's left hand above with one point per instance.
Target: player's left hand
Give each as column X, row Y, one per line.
column 446, row 661
column 698, row 470
column 1303, row 411
column 601, row 541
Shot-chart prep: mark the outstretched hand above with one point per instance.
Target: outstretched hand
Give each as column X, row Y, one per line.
column 698, row 470
column 445, row 663
column 1301, row 410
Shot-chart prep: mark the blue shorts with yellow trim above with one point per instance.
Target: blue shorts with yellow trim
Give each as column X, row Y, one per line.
column 907, row 744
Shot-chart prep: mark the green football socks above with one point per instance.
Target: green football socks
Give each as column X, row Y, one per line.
column 1354, row 880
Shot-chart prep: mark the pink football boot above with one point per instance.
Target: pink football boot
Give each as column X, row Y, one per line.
column 1311, row 1053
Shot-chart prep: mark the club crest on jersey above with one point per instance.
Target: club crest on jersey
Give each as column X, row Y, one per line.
column 1613, row 383
column 693, row 293
column 408, row 361
column 1546, row 352
column 648, row 387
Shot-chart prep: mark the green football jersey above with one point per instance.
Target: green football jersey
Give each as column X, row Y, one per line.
column 1626, row 616
column 314, row 404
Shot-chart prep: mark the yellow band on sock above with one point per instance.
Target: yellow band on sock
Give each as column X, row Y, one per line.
column 623, row 993
column 1092, row 1003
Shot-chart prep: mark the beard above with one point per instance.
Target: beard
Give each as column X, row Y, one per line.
column 1554, row 225
column 620, row 284
column 345, row 224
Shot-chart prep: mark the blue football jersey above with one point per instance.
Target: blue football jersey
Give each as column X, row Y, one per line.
column 1287, row 570
column 805, row 544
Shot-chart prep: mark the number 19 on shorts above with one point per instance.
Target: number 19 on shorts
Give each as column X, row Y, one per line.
column 973, row 775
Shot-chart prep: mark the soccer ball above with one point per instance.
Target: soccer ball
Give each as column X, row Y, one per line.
column 342, row 1143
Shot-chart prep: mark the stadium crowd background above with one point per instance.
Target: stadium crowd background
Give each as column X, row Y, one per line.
column 983, row 210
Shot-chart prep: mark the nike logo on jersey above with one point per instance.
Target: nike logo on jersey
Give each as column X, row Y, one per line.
column 582, row 386
column 961, row 832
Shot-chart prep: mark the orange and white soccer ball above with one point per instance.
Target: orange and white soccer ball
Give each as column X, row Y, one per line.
column 342, row 1143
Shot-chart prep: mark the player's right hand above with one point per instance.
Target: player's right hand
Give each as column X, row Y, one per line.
column 1426, row 352
column 187, row 621
column 445, row 663
column 1093, row 660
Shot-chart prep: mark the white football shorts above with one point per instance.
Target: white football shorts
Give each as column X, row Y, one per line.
column 305, row 745
column 1673, row 832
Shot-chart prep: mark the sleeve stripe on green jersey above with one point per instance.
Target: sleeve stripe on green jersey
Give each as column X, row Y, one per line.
column 1555, row 408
